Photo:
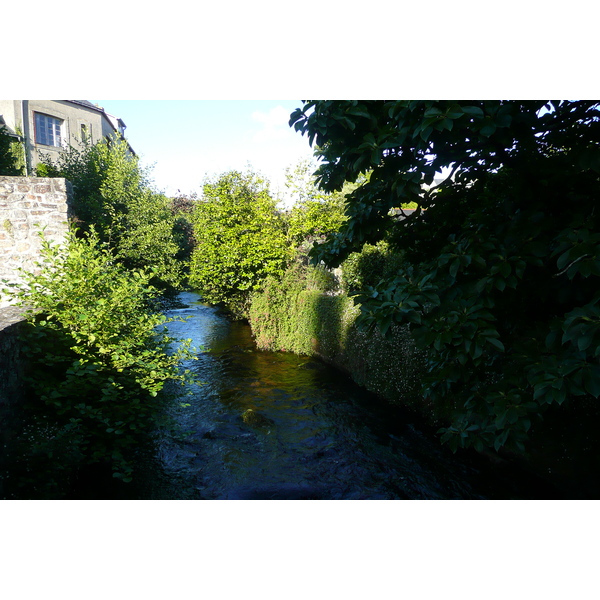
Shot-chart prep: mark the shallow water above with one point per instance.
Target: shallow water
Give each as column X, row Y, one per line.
column 320, row 436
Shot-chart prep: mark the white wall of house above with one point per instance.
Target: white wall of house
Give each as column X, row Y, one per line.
column 51, row 125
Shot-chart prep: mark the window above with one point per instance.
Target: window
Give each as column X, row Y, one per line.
column 86, row 132
column 47, row 130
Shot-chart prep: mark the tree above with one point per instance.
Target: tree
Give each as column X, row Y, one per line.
column 146, row 238
column 98, row 354
column 499, row 280
column 182, row 207
column 240, row 239
column 112, row 194
column 314, row 213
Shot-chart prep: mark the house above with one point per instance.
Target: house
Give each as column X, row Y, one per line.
column 48, row 126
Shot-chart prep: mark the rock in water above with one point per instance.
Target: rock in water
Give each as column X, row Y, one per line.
column 255, row 419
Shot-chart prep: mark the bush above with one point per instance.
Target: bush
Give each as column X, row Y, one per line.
column 112, row 195
column 321, row 279
column 10, row 163
column 99, row 355
column 286, row 316
column 313, row 214
column 240, row 240
column 146, row 239
column 182, row 208
column 368, row 267
column 272, row 313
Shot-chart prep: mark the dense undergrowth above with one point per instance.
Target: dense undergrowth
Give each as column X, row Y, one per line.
column 98, row 352
column 97, row 349
column 306, row 312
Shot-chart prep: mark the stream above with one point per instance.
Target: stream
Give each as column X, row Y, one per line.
column 313, row 433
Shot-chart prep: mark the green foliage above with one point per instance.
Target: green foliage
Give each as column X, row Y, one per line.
column 287, row 315
column 410, row 205
column 182, row 207
column 499, row 279
column 314, row 214
column 146, row 238
column 368, row 267
column 321, row 279
column 240, row 239
column 17, row 149
column 9, row 154
column 312, row 220
column 273, row 313
column 45, row 170
column 113, row 195
column 99, row 355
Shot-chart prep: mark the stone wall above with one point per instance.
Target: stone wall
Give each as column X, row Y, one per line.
column 29, row 205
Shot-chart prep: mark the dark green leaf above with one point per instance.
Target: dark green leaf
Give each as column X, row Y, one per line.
column 496, row 343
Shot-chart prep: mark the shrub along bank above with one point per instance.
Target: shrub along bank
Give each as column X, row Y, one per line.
column 297, row 315
column 98, row 355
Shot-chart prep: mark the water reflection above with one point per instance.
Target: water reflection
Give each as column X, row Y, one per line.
column 319, row 436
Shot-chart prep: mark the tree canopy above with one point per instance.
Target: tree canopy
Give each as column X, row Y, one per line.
column 314, row 213
column 499, row 278
column 240, row 239
column 113, row 195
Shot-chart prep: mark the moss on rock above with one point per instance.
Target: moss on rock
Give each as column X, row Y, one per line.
column 255, row 419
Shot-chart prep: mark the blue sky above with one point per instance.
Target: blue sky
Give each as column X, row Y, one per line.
column 185, row 140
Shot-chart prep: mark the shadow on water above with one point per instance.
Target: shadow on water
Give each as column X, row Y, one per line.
column 268, row 425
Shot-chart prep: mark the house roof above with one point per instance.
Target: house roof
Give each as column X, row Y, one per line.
column 87, row 104
column 115, row 122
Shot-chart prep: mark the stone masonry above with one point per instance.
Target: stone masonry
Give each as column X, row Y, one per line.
column 29, row 205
